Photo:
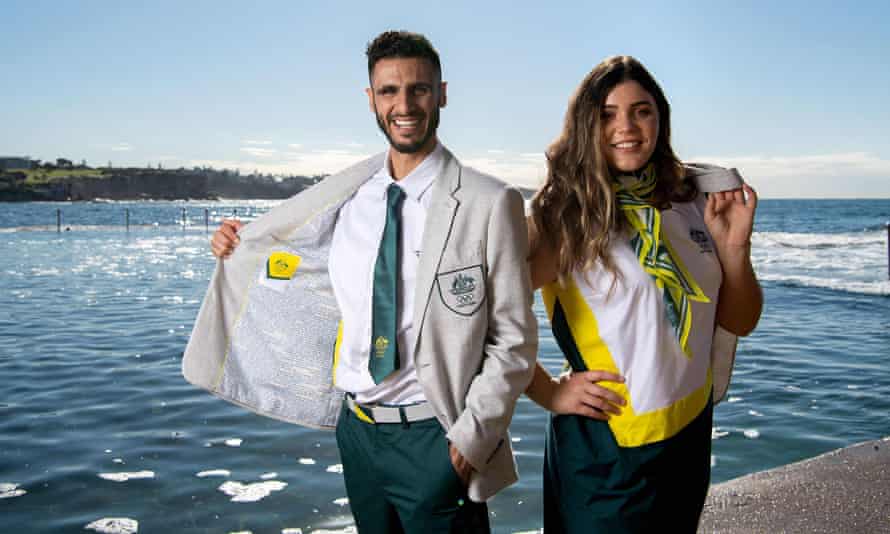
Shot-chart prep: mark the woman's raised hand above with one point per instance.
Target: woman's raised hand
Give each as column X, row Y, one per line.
column 729, row 216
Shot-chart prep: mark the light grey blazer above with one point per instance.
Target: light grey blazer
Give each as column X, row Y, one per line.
column 268, row 345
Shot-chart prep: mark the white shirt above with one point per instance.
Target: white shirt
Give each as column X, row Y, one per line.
column 631, row 320
column 356, row 240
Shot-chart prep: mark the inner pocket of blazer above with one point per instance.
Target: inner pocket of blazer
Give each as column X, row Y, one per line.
column 275, row 284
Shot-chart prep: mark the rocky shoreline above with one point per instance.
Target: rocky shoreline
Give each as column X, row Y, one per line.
column 144, row 184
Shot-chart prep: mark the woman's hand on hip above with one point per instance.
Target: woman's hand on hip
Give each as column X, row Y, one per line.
column 580, row 393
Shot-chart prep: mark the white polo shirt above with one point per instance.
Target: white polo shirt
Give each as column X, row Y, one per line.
column 356, row 241
column 620, row 325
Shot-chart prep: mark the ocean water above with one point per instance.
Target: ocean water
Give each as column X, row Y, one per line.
column 98, row 430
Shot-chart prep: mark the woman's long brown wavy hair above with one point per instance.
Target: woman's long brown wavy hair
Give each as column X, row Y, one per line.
column 575, row 212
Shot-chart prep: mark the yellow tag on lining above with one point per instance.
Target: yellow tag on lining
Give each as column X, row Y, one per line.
column 282, row 265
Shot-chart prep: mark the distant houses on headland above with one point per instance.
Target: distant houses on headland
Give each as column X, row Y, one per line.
column 24, row 179
column 12, row 175
column 14, row 164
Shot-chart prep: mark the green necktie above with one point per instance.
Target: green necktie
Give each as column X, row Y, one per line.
column 384, row 321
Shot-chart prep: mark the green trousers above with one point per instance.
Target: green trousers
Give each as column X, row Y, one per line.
column 592, row 485
column 399, row 479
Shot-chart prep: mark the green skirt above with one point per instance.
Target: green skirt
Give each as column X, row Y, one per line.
column 593, row 485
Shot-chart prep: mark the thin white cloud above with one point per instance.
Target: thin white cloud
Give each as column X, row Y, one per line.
column 846, row 174
column 496, row 151
column 122, row 147
column 256, row 142
column 353, row 144
column 332, row 151
column 843, row 174
column 295, row 146
column 855, row 174
column 523, row 172
column 305, row 163
column 259, row 152
column 832, row 165
column 533, row 156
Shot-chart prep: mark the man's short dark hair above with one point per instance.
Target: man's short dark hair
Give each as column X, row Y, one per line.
column 401, row 44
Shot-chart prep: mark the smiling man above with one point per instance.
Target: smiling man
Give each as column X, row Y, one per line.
column 391, row 301
column 406, row 96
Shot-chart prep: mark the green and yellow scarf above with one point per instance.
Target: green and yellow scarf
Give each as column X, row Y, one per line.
column 655, row 254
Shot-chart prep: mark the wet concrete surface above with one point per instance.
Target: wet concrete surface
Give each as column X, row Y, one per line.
column 846, row 490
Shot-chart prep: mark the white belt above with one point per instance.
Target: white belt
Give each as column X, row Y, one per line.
column 391, row 414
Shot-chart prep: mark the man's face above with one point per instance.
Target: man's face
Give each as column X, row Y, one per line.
column 405, row 96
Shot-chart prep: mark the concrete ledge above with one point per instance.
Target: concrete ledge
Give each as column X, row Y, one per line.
column 847, row 490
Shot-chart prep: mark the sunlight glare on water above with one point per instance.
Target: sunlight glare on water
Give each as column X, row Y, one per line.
column 97, row 426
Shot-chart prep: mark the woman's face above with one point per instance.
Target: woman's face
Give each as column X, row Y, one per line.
column 630, row 127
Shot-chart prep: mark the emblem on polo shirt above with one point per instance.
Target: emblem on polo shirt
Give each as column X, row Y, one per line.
column 701, row 239
column 462, row 290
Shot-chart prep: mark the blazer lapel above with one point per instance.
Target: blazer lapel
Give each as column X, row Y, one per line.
column 436, row 232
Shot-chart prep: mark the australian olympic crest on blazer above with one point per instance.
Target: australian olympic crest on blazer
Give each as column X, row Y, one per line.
column 462, row 290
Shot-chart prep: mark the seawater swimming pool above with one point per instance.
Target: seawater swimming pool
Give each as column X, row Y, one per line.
column 96, row 421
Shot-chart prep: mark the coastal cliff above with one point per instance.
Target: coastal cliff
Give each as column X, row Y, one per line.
column 143, row 184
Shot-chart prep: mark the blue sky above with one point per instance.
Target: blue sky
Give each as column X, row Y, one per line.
column 794, row 94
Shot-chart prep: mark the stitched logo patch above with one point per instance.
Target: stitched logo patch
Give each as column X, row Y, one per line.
column 282, row 265
column 462, row 290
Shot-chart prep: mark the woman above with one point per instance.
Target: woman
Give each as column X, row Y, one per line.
column 637, row 269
